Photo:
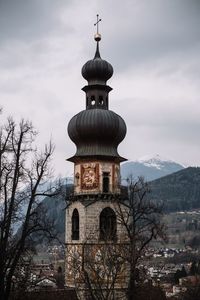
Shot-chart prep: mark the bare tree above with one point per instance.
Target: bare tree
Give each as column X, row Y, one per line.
column 143, row 223
column 23, row 175
column 97, row 270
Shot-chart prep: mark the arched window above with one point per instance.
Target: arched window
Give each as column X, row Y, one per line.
column 101, row 102
column 108, row 224
column 75, row 225
column 92, row 100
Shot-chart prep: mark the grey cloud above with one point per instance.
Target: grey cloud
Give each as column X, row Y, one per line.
column 29, row 19
column 154, row 47
column 153, row 30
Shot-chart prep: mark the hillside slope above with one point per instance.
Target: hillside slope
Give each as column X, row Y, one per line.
column 178, row 191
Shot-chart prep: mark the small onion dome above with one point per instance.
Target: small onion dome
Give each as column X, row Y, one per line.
column 97, row 70
column 97, row 132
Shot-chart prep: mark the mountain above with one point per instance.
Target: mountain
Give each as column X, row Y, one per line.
column 179, row 191
column 150, row 167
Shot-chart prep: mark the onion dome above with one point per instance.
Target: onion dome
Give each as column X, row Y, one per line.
column 97, row 132
column 97, row 70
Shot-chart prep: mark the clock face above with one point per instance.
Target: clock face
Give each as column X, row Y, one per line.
column 89, row 176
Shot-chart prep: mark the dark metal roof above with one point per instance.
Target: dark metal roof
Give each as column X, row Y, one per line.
column 97, row 70
column 97, row 132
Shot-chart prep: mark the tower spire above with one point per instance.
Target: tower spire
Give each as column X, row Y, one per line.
column 97, row 131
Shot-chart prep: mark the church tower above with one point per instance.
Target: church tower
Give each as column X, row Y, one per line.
column 91, row 219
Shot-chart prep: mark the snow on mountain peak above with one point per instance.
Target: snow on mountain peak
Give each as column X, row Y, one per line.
column 150, row 167
column 155, row 161
column 154, row 157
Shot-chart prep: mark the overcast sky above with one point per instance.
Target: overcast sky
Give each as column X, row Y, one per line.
column 154, row 47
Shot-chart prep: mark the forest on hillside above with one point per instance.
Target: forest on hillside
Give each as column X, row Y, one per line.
column 179, row 191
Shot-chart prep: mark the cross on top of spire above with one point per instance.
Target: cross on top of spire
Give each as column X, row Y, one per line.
column 97, row 36
column 97, row 23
